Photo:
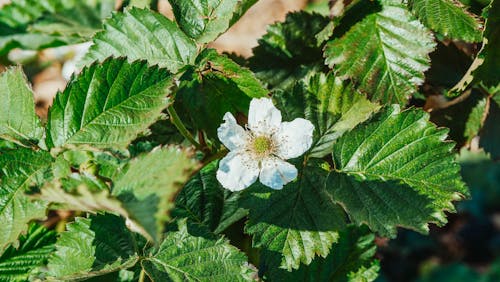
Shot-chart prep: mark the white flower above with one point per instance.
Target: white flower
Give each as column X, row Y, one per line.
column 260, row 151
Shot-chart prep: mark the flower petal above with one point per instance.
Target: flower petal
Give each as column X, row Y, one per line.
column 275, row 172
column 231, row 134
column 263, row 117
column 237, row 171
column 294, row 138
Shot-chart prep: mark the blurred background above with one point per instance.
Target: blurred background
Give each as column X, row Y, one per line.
column 468, row 247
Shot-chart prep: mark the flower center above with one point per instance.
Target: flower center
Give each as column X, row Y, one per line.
column 262, row 145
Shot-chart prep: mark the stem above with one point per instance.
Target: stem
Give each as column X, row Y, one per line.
column 174, row 117
column 142, row 275
column 215, row 156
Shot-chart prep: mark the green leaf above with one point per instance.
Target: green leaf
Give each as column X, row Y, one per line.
column 289, row 50
column 16, row 264
column 203, row 200
column 489, row 136
column 81, row 21
column 396, row 170
column 148, row 186
column 78, row 193
column 215, row 86
column 332, row 105
column 205, row 20
column 241, row 8
column 15, row 18
column 108, row 105
column 34, row 24
column 91, row 247
column 489, row 73
column 476, row 119
column 143, row 35
column 385, row 54
column 191, row 255
column 296, row 223
column 448, row 18
column 484, row 69
column 352, row 258
column 18, row 121
column 20, row 169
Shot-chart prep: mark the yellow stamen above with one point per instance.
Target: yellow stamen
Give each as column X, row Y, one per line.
column 262, row 145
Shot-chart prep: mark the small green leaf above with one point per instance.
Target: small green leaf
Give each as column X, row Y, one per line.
column 476, row 119
column 16, row 264
column 191, row 255
column 332, row 105
column 448, row 18
column 19, row 170
column 386, row 54
column 396, row 170
column 141, row 34
column 108, row 105
column 489, row 136
column 299, row 222
column 91, row 247
column 352, row 258
column 205, row 20
column 203, row 200
column 148, row 186
column 18, row 121
column 289, row 50
column 215, row 86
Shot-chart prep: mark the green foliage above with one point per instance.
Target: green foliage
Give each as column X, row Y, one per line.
column 141, row 34
column 18, row 121
column 33, row 24
column 108, row 105
column 204, row 201
column 448, row 18
column 289, row 51
column 385, row 54
column 81, row 21
column 16, row 264
column 476, row 119
column 147, row 202
column 488, row 71
column 214, row 86
column 351, row 259
column 77, row 192
column 484, row 69
column 20, row 169
column 489, row 135
column 204, row 21
column 332, row 105
column 396, row 170
column 92, row 246
column 304, row 221
column 190, row 254
column 148, row 195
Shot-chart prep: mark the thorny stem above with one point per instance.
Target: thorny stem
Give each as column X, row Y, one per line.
column 174, row 117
